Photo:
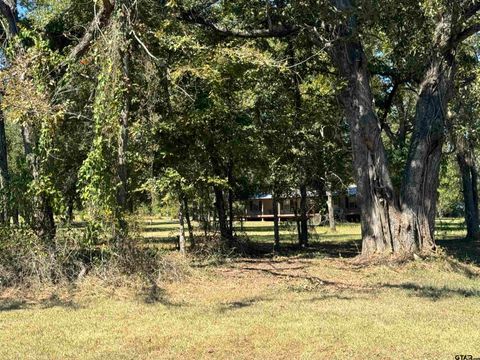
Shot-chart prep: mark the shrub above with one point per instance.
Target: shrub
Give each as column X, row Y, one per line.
column 26, row 262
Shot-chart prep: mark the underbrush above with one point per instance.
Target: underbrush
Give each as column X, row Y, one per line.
column 213, row 250
column 26, row 263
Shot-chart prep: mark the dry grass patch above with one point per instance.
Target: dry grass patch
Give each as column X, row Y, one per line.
column 281, row 308
column 314, row 305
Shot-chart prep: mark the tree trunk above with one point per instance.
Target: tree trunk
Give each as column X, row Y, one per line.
column 42, row 219
column 8, row 8
column 297, row 221
column 189, row 223
column 421, row 176
column 204, row 219
column 331, row 210
column 69, row 214
column 4, row 174
column 230, row 199
column 10, row 13
column 468, row 172
column 374, row 188
column 122, row 142
column 303, row 216
column 181, row 228
column 71, row 197
column 222, row 217
column 230, row 213
column 15, row 216
column 122, row 147
column 219, row 195
column 390, row 223
column 276, row 229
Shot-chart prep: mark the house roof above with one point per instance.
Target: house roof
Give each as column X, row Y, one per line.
column 351, row 191
column 263, row 197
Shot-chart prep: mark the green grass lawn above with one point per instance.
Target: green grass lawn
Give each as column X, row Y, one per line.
column 346, row 238
column 284, row 307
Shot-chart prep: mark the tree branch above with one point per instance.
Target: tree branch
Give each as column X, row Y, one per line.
column 471, row 10
column 388, row 106
column 100, row 21
column 9, row 11
column 464, row 34
column 194, row 17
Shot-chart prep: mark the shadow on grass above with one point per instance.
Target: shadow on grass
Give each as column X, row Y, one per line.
column 55, row 301
column 323, row 243
column 236, row 305
column 461, row 249
column 10, row 305
column 51, row 302
column 332, row 296
column 336, row 246
column 433, row 292
column 312, row 279
column 332, row 249
column 156, row 295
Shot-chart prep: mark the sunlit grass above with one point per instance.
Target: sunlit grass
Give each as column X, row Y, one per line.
column 266, row 309
column 166, row 231
column 272, row 308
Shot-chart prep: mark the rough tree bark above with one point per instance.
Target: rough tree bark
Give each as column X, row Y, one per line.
column 390, row 223
column 469, row 174
column 421, row 174
column 375, row 191
column 297, row 222
column 124, row 50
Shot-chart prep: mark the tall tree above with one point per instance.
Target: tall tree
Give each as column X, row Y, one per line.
column 37, row 130
column 8, row 10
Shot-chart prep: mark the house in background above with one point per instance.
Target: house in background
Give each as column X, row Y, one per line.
column 261, row 207
column 346, row 206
